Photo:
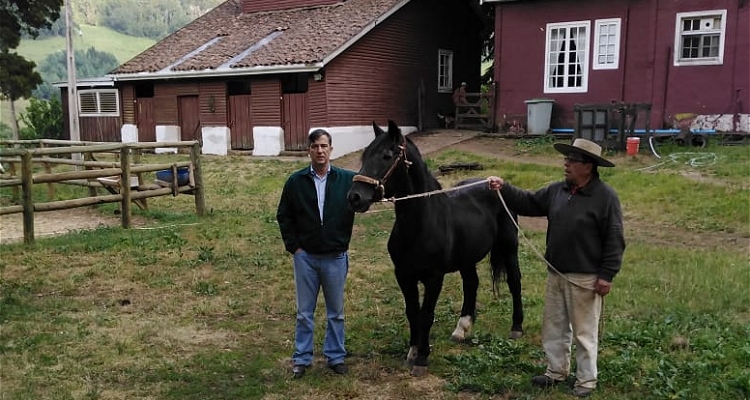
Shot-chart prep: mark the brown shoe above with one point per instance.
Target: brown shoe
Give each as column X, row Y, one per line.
column 544, row 381
column 582, row 391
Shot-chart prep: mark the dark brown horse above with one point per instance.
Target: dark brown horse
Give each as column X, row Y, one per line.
column 434, row 235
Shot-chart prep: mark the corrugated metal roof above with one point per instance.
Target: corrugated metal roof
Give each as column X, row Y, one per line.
column 226, row 41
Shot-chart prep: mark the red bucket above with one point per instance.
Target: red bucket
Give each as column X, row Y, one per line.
column 632, row 145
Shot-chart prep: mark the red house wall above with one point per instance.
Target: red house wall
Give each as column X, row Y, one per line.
column 377, row 79
column 646, row 73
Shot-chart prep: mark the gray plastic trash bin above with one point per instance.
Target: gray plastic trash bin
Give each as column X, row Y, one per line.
column 538, row 115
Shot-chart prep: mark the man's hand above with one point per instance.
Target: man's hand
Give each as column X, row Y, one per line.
column 495, row 182
column 602, row 287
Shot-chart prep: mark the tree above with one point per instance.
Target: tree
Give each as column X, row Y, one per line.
column 17, row 75
column 17, row 80
column 43, row 119
column 25, row 16
column 89, row 64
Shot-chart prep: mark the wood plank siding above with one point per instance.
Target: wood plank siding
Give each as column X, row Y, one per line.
column 251, row 6
column 378, row 78
column 127, row 104
column 316, row 100
column 95, row 129
column 266, row 102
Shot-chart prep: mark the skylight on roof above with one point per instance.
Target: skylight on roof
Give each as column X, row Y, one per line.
column 251, row 49
column 192, row 53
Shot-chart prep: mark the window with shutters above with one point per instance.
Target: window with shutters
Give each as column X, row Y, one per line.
column 98, row 103
column 699, row 37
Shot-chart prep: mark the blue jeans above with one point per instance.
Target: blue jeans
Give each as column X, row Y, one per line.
column 311, row 272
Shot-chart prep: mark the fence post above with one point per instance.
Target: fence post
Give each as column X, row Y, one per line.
column 195, row 157
column 125, row 186
column 27, row 198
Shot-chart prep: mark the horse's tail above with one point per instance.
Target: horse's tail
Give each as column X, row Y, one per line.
column 504, row 253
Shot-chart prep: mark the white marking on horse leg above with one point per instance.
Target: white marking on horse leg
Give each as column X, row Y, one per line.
column 412, row 356
column 463, row 329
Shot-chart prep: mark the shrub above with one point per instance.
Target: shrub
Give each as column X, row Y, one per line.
column 43, row 119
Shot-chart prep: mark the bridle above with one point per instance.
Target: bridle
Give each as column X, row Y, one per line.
column 380, row 183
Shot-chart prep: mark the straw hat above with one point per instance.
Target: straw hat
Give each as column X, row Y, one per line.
column 585, row 147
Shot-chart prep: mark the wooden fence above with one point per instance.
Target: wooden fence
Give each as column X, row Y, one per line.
column 22, row 155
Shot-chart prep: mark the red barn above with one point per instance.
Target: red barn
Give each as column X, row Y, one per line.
column 253, row 74
column 690, row 60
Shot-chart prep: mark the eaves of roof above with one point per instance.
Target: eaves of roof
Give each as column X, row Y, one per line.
column 227, row 42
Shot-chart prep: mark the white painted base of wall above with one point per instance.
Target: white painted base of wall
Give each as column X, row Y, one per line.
column 268, row 140
column 129, row 133
column 722, row 123
column 167, row 133
column 348, row 139
column 216, row 140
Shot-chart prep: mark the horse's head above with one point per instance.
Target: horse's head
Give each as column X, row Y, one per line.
column 381, row 159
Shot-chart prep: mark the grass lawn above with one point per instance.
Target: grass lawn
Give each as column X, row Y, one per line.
column 203, row 308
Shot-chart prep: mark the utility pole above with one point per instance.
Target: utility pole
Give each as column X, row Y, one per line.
column 75, row 134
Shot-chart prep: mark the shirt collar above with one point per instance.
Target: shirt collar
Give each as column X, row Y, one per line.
column 312, row 171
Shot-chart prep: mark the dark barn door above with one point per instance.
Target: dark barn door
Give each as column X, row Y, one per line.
column 189, row 118
column 145, row 119
column 240, row 122
column 295, row 112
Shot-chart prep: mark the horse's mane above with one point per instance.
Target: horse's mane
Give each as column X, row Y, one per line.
column 418, row 164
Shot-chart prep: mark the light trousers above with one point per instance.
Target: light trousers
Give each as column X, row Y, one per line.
column 571, row 316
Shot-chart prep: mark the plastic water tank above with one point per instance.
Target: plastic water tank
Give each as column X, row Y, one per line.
column 538, row 116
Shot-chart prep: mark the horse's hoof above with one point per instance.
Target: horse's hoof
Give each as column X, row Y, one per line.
column 457, row 339
column 419, row 371
column 516, row 334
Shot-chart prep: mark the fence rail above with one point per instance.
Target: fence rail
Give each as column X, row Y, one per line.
column 115, row 177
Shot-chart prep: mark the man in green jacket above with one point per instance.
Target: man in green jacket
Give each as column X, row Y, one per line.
column 316, row 225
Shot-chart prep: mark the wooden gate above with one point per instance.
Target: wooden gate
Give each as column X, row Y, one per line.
column 478, row 112
column 296, row 122
column 240, row 122
column 189, row 120
column 145, row 119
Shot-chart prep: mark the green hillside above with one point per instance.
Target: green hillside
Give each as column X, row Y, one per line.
column 123, row 47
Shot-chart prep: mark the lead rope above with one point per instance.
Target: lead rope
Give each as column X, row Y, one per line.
column 539, row 254
column 526, row 240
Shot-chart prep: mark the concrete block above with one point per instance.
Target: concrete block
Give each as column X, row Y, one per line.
column 167, row 133
column 129, row 133
column 268, row 140
column 216, row 140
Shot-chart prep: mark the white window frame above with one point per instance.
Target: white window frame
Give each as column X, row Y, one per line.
column 445, row 71
column 584, row 55
column 679, row 35
column 610, row 49
column 99, row 107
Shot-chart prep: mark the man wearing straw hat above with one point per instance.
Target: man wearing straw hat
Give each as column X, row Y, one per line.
column 585, row 244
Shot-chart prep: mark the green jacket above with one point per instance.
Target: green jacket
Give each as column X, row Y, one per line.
column 299, row 219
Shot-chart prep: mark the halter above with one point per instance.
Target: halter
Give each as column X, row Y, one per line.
column 380, row 183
